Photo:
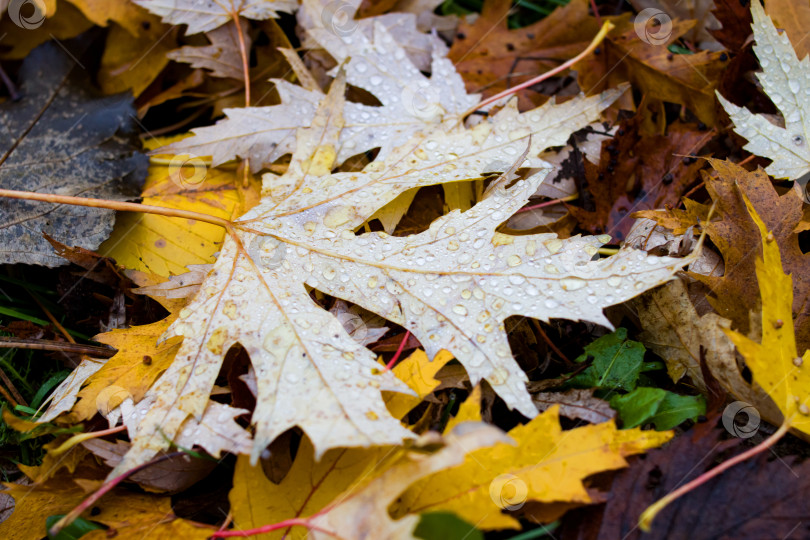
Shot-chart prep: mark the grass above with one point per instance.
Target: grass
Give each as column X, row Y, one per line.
column 30, row 375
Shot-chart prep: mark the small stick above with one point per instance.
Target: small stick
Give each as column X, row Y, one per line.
column 550, row 343
column 595, row 9
column 51, row 345
column 13, row 402
column 52, row 319
column 12, row 90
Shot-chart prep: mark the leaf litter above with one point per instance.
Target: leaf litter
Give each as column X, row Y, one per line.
column 341, row 256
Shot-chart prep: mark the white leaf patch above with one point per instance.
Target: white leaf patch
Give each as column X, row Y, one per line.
column 786, row 80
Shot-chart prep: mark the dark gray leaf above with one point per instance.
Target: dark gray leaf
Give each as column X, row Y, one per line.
column 62, row 138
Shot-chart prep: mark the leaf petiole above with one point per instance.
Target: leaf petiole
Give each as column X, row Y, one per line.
column 114, row 205
column 647, row 517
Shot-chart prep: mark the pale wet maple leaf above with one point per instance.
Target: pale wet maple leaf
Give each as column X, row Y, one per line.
column 452, row 285
column 785, row 80
column 206, row 15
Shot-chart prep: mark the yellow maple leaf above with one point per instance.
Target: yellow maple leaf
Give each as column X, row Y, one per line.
column 349, row 490
column 775, row 363
column 126, row 513
column 308, row 487
column 129, row 374
column 546, row 464
column 166, row 246
column 418, row 372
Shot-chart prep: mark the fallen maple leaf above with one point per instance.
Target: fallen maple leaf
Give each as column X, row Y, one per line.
column 348, row 491
column 734, row 294
column 164, row 246
column 452, row 286
column 417, row 371
column 686, row 79
column 774, row 362
column 546, row 464
column 793, row 18
column 61, row 138
column 758, row 499
column 637, row 171
column 492, row 57
column 674, row 331
column 125, row 513
column 206, row 15
column 783, row 79
column 132, row 60
column 222, row 57
column 411, row 103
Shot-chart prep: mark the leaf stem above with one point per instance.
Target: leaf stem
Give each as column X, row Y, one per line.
column 243, row 52
column 647, row 517
column 552, row 202
column 103, row 490
column 286, row 524
column 81, row 437
column 401, row 347
column 115, row 205
column 607, row 27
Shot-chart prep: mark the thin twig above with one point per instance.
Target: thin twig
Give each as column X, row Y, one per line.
column 550, row 343
column 51, row 318
column 60, row 346
column 12, row 89
column 596, row 15
column 13, row 402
